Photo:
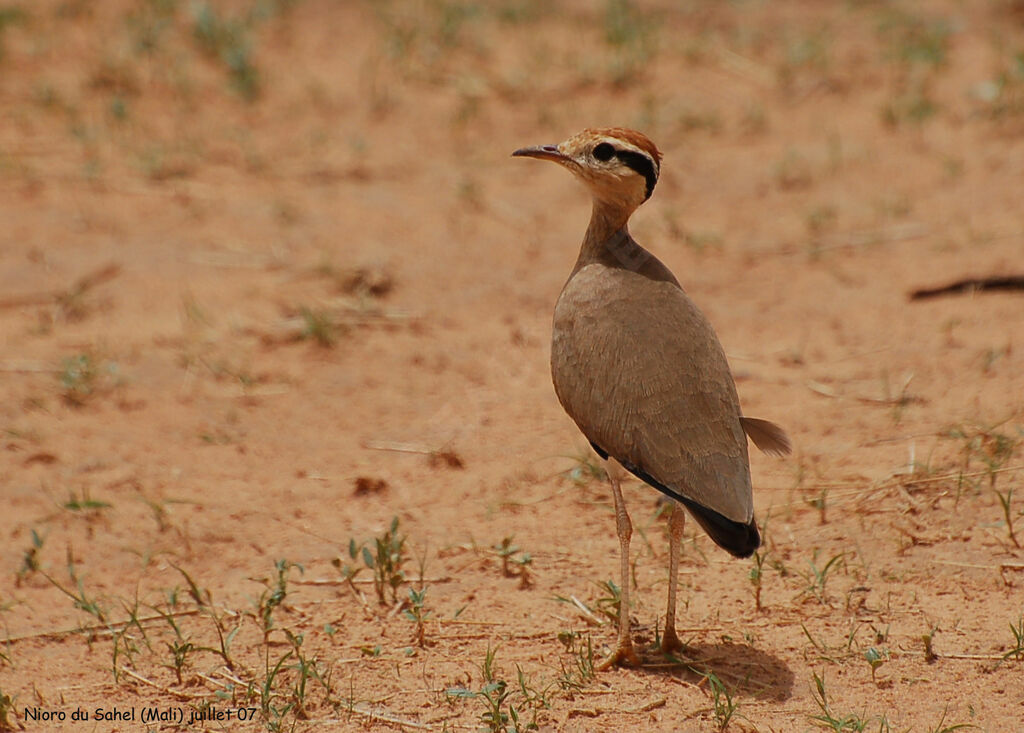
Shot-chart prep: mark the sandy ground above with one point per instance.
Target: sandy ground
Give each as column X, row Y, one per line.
column 269, row 280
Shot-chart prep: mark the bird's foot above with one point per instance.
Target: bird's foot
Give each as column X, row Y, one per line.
column 623, row 656
column 670, row 643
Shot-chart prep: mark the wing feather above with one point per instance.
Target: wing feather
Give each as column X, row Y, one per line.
column 642, row 373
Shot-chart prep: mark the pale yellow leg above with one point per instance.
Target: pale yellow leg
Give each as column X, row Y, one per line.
column 624, row 653
column 670, row 641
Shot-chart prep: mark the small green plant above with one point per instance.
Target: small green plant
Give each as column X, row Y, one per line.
column 494, row 695
column 793, row 171
column 274, row 594
column 831, row 721
column 725, row 706
column 487, row 668
column 820, row 502
column 821, row 219
column 630, row 34
column 82, row 377
column 580, row 670
column 306, row 669
column 319, row 326
column 81, row 600
column 510, row 553
column 7, row 710
column 85, row 503
column 1006, row 501
column 587, row 467
column 272, row 713
column 610, row 604
column 1003, row 95
column 30, row 558
column 1017, row 652
column 180, row 650
column 914, row 105
column 180, row 647
column 124, row 642
column 349, row 571
column 9, row 15
column 531, row 695
column 417, row 614
column 757, row 577
column 386, row 560
column 224, row 638
column 928, row 640
column 503, row 708
column 992, row 447
column 941, row 727
column 505, row 551
column 876, row 658
column 912, row 39
column 818, row 577
column 228, row 41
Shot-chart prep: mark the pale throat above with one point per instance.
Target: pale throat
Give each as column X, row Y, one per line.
column 607, row 219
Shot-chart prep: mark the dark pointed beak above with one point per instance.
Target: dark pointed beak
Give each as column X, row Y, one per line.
column 544, row 152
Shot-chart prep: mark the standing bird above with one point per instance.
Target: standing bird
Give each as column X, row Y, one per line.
column 640, row 370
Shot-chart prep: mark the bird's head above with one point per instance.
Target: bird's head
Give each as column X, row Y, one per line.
column 619, row 166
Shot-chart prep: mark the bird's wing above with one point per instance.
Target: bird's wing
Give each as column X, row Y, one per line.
column 641, row 371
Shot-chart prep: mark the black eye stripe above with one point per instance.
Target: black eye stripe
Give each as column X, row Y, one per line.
column 642, row 165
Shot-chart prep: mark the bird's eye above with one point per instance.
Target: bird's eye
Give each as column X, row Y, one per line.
column 604, row 151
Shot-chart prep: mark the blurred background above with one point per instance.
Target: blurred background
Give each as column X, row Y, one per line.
column 269, row 280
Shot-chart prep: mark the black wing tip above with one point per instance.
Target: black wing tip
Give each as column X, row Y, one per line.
column 736, row 538
column 749, row 544
column 739, row 539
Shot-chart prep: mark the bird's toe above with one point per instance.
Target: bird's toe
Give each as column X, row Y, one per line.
column 623, row 656
column 670, row 643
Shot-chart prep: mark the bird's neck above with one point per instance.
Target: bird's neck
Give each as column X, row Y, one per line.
column 607, row 239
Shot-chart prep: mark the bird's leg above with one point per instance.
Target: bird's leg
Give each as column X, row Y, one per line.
column 670, row 641
column 623, row 653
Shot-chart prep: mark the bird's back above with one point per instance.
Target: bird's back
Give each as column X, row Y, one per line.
column 640, row 370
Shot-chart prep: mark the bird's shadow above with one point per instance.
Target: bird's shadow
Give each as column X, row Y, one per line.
column 741, row 668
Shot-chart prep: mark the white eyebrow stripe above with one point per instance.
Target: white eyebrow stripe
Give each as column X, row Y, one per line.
column 622, row 145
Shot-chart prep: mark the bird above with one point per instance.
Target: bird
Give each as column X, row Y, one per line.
column 640, row 370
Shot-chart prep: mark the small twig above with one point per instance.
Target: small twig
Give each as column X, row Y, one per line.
column 659, row 702
column 468, row 622
column 1003, row 567
column 957, row 475
column 851, row 240
column 97, row 628
column 398, row 447
column 27, row 367
column 971, row 285
column 897, row 233
column 226, row 674
column 162, row 688
column 212, row 681
column 386, row 717
column 365, row 581
column 745, row 67
column 81, row 285
column 582, row 607
column 241, row 260
column 823, row 389
column 981, row 657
